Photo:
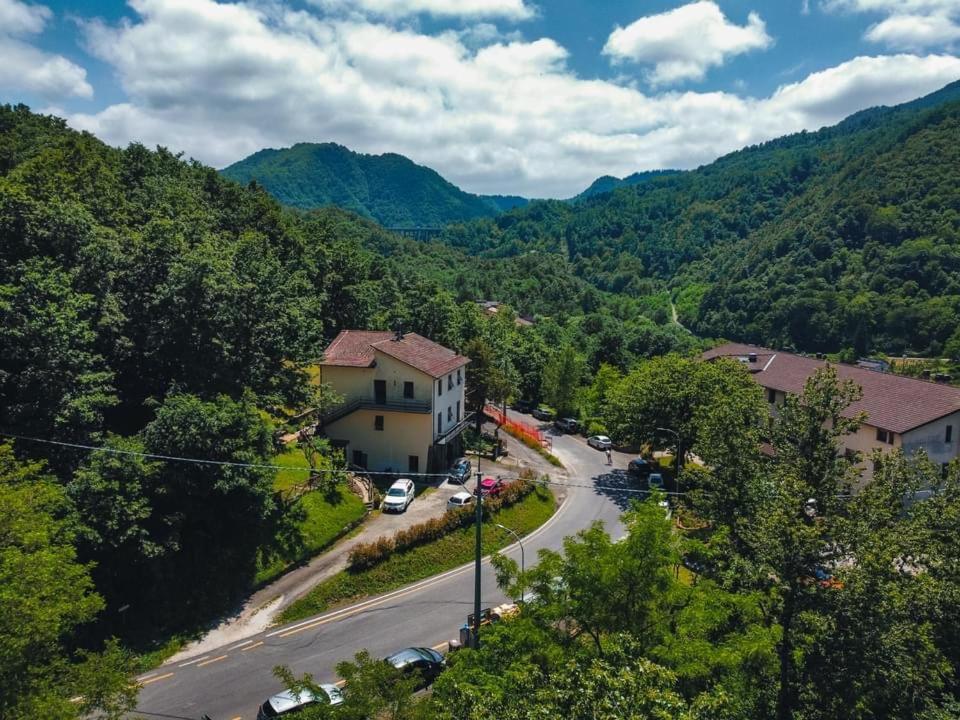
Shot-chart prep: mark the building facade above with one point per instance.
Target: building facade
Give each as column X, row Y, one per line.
column 400, row 401
column 901, row 412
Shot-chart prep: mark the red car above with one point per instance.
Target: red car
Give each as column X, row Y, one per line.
column 491, row 486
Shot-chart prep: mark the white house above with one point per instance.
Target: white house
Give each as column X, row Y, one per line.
column 403, row 404
column 900, row 411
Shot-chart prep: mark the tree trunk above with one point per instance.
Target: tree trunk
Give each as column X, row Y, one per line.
column 785, row 656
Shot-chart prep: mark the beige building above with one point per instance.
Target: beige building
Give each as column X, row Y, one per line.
column 900, row 412
column 403, row 403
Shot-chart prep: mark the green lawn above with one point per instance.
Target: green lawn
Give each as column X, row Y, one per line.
column 322, row 521
column 421, row 562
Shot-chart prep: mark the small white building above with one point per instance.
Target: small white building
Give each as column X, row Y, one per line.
column 900, row 411
column 403, row 404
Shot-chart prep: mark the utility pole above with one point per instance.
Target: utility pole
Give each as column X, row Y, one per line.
column 478, row 521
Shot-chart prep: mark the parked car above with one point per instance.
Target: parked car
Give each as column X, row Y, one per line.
column 639, row 468
column 426, row 662
column 523, row 406
column 461, row 499
column 399, row 496
column 492, row 486
column 600, row 442
column 655, row 481
column 541, row 413
column 569, row 425
column 460, row 472
column 288, row 702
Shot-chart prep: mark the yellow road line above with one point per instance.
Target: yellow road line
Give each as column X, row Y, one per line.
column 238, row 718
column 154, row 679
column 213, row 660
column 255, row 645
column 441, row 645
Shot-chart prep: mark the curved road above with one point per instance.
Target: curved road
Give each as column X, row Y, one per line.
column 231, row 682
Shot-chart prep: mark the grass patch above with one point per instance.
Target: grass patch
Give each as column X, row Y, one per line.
column 423, row 561
column 320, row 520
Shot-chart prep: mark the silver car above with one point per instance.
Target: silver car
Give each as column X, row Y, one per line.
column 600, row 442
column 289, row 702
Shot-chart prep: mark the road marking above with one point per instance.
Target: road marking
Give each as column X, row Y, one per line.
column 199, row 659
column 77, row 699
column 340, row 683
column 255, row 645
column 216, row 659
column 245, row 642
column 344, row 613
column 238, row 717
column 441, row 645
column 154, row 679
column 144, row 677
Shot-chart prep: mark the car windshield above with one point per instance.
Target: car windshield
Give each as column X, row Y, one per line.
column 396, row 492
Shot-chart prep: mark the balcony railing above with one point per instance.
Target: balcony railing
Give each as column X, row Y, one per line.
column 447, row 435
column 409, row 406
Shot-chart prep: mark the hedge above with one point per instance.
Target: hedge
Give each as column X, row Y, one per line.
column 366, row 555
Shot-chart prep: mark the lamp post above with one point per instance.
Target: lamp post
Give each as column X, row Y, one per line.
column 677, row 459
column 522, row 562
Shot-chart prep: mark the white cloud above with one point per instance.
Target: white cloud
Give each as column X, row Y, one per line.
column 220, row 81
column 909, row 24
column 24, row 67
column 511, row 9
column 684, row 43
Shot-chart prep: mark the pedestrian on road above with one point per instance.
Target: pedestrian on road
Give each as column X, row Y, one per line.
column 609, row 456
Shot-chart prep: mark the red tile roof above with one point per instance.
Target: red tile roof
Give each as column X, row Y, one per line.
column 891, row 402
column 354, row 348
column 358, row 348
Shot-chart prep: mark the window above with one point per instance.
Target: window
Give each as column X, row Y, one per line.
column 882, row 435
column 449, row 414
column 458, row 411
column 439, row 388
column 413, row 463
column 449, row 382
column 439, row 422
column 771, row 396
column 948, row 435
column 459, row 377
column 378, row 422
column 408, row 390
column 380, row 391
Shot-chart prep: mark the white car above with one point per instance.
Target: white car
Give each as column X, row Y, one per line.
column 289, row 702
column 461, row 499
column 600, row 442
column 399, row 496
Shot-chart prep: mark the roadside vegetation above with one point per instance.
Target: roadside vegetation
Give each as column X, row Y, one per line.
column 422, row 561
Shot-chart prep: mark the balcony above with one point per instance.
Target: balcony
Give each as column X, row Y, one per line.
column 451, row 432
column 341, row 411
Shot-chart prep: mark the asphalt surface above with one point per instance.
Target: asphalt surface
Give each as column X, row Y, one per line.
column 231, row 682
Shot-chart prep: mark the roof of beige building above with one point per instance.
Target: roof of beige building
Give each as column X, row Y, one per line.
column 358, row 348
column 892, row 402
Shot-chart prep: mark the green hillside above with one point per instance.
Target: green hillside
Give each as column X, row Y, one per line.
column 846, row 238
column 389, row 188
column 608, row 183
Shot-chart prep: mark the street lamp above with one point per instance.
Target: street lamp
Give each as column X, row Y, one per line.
column 522, row 563
column 677, row 460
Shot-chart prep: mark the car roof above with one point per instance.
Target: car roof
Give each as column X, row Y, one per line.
column 410, row 655
column 462, row 494
column 402, row 482
column 288, row 699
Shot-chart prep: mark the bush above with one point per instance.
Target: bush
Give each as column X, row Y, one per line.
column 366, row 555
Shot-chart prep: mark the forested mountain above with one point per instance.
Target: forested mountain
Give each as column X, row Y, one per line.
column 389, row 188
column 842, row 239
column 608, row 183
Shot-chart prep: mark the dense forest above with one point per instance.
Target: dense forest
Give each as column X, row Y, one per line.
column 846, row 239
column 389, row 188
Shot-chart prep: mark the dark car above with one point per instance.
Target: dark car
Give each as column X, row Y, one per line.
column 568, row 425
column 426, row 662
column 639, row 468
column 460, row 472
column 523, row 406
column 541, row 413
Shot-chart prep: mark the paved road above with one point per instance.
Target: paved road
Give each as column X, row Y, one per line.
column 231, row 682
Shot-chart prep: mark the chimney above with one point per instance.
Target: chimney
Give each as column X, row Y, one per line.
column 942, row 377
column 821, row 356
column 925, row 374
column 398, row 333
column 752, row 357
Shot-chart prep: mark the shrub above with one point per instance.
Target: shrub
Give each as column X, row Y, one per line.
column 366, row 555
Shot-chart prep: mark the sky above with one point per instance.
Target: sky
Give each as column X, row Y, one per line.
column 529, row 97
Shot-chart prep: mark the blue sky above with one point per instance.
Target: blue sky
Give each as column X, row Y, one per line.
column 510, row 96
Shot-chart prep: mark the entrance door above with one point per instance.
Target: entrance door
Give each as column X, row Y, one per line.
column 380, row 391
column 413, row 464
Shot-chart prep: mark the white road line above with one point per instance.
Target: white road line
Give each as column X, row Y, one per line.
column 243, row 644
column 196, row 660
column 427, row 582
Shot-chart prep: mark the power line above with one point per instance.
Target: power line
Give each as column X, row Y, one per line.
column 263, row 466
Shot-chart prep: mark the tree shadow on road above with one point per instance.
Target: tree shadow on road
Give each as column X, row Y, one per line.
column 620, row 487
